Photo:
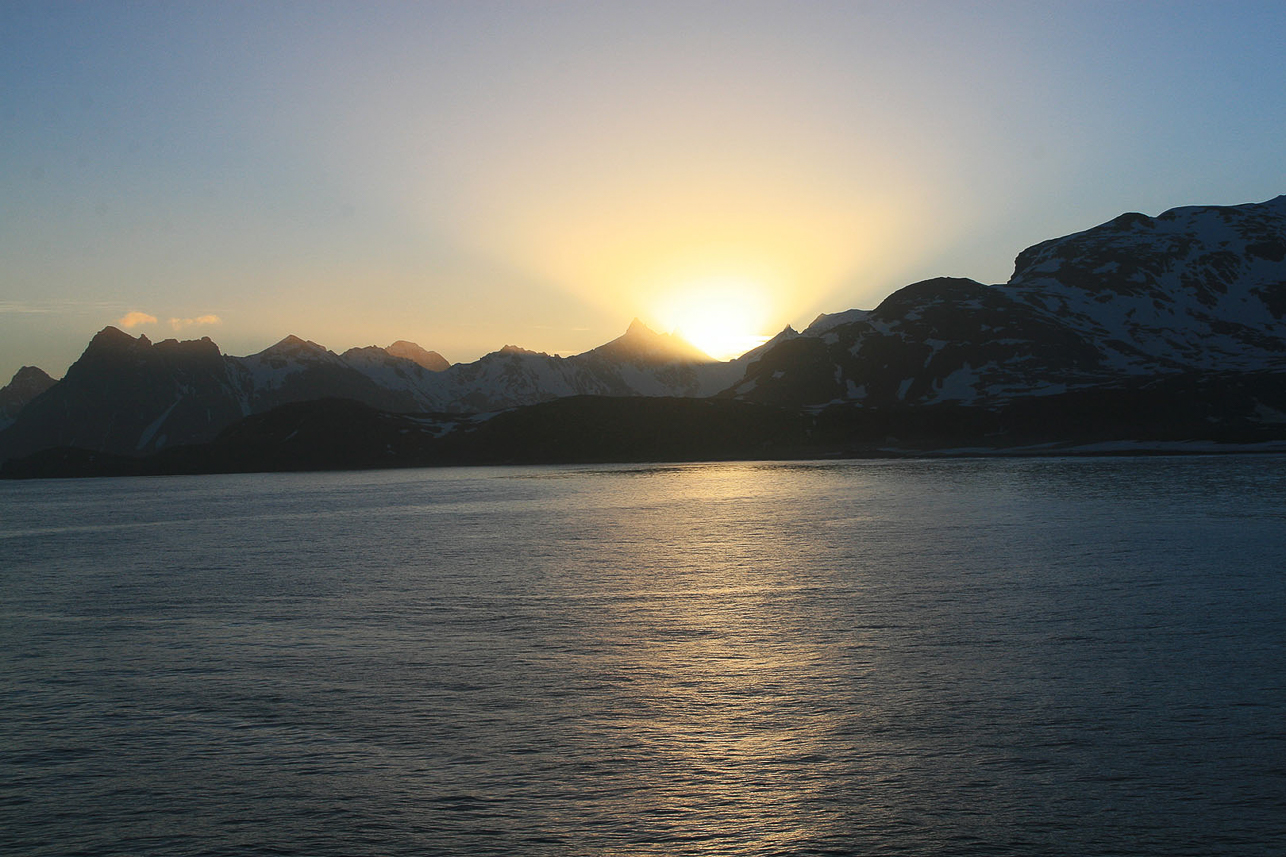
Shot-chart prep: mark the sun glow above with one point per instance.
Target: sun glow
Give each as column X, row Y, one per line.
column 724, row 318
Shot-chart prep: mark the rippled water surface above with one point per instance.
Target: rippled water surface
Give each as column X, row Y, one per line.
column 953, row 657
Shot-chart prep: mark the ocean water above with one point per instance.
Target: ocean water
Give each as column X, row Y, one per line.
column 991, row 657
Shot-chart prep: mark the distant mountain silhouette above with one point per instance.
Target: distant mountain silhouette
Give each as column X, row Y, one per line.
column 1163, row 330
column 27, row 383
column 130, row 397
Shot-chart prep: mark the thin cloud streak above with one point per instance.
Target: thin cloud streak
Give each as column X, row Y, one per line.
column 181, row 323
column 57, row 306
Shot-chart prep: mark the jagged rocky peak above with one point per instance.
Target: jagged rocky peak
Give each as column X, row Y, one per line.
column 431, row 360
column 113, row 339
column 203, row 347
column 516, row 351
column 109, row 349
column 641, row 344
column 113, row 347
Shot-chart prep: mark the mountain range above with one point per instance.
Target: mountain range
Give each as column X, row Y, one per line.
column 1170, row 327
column 130, row 396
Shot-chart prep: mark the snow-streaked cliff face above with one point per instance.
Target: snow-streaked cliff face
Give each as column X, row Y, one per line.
column 1199, row 287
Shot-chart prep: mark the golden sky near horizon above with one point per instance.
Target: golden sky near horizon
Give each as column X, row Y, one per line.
column 470, row 175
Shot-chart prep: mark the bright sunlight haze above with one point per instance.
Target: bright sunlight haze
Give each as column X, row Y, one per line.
column 722, row 318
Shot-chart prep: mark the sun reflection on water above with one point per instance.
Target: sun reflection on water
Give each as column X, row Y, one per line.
column 700, row 672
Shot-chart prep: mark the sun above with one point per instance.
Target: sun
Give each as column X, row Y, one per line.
column 723, row 318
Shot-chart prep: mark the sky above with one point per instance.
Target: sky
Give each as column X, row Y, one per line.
column 468, row 175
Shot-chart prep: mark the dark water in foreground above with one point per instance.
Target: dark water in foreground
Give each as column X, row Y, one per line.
column 967, row 657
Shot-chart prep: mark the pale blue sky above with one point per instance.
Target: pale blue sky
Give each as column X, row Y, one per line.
column 468, row 175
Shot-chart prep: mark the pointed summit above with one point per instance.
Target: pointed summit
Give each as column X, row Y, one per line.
column 293, row 346
column 294, row 343
column 787, row 333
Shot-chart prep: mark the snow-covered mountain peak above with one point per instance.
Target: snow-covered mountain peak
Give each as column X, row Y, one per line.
column 270, row 369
